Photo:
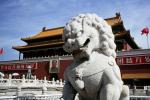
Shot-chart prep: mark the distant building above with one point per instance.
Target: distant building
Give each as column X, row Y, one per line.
column 45, row 54
column 49, row 43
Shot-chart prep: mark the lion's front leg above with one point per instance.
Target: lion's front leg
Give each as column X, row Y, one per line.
column 110, row 92
column 112, row 87
column 125, row 93
column 107, row 92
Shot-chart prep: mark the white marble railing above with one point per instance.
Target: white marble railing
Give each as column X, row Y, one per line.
column 29, row 82
column 41, row 97
column 36, row 97
column 139, row 97
column 56, row 97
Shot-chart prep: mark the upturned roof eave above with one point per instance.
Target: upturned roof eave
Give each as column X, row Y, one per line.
column 21, row 48
column 36, row 37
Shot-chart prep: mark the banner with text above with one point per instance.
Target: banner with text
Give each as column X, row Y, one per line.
column 133, row 60
column 17, row 66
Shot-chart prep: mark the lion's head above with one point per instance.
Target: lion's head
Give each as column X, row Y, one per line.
column 86, row 33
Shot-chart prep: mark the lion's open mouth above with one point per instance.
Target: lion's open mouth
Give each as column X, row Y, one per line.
column 86, row 42
column 82, row 48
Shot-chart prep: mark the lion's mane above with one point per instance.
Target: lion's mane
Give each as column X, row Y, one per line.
column 106, row 36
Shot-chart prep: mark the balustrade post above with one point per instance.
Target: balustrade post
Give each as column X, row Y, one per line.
column 134, row 90
column 18, row 92
column 34, row 77
column 23, row 80
column 44, row 90
column 60, row 82
column 45, row 81
column 35, row 80
column 45, row 78
column 57, row 82
column 9, row 80
column 148, row 90
column 53, row 81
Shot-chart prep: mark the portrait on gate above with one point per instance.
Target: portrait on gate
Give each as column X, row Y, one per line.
column 54, row 66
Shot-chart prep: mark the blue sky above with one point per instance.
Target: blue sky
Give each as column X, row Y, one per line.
column 23, row 18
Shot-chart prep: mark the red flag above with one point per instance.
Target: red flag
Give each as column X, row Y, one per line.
column 1, row 51
column 145, row 31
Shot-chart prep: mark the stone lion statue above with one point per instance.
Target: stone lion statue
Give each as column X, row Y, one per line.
column 94, row 74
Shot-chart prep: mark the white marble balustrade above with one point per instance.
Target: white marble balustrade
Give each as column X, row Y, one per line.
column 23, row 82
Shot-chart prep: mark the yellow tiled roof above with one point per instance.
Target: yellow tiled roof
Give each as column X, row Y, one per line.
column 46, row 33
column 37, row 45
column 50, row 43
column 135, row 75
column 59, row 31
column 114, row 21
